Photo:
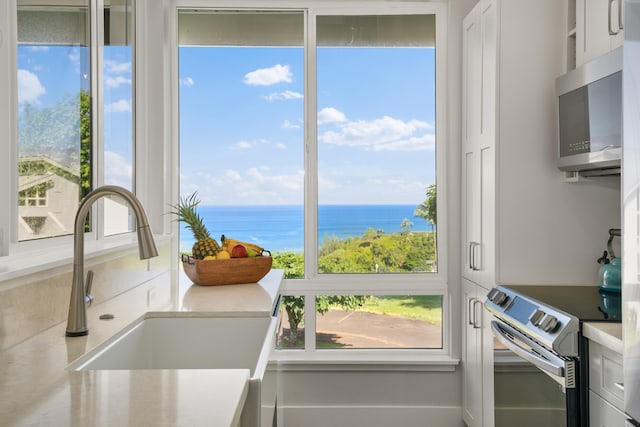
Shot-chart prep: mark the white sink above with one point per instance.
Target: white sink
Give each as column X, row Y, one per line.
column 217, row 342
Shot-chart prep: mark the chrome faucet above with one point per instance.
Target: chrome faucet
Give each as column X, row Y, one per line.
column 81, row 298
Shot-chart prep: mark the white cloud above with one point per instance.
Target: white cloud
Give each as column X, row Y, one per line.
column 117, row 81
column 121, row 106
column 29, row 87
column 253, row 185
column 284, row 96
column 288, row 125
column 114, row 71
column 115, row 67
column 281, row 146
column 384, row 134
column 262, row 181
column 39, row 48
column 330, row 115
column 117, row 170
column 74, row 56
column 420, row 143
column 269, row 76
column 188, row 81
column 232, row 175
column 243, row 145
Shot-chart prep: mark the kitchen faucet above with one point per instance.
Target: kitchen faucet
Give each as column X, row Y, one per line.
column 81, row 298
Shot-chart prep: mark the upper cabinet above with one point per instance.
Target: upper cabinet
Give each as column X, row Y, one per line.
column 598, row 28
column 521, row 222
column 478, row 140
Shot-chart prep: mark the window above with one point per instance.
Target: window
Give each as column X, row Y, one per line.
column 313, row 132
column 73, row 134
column 376, row 142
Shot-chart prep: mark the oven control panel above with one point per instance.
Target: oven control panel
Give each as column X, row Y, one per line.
column 547, row 325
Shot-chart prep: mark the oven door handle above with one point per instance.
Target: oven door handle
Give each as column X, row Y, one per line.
column 540, row 357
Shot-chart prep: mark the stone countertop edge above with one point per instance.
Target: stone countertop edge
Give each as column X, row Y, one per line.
column 35, row 388
column 607, row 334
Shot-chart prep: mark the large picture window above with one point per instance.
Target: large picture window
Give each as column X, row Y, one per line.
column 313, row 134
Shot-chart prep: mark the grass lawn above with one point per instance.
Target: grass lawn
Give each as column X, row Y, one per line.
column 427, row 308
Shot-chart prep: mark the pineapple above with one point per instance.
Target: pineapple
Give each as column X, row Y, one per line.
column 205, row 245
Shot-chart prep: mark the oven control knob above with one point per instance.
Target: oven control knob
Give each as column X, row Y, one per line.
column 537, row 317
column 549, row 323
column 499, row 298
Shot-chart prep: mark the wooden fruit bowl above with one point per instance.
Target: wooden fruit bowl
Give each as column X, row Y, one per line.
column 231, row 271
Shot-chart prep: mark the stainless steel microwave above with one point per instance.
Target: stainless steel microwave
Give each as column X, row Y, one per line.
column 589, row 106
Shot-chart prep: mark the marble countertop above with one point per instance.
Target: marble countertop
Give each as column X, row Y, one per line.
column 608, row 334
column 35, row 388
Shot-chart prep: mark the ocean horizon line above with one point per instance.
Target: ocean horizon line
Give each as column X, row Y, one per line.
column 281, row 227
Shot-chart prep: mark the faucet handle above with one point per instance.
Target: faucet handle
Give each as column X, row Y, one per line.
column 88, row 298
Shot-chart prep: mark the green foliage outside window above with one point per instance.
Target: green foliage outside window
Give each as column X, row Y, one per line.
column 373, row 252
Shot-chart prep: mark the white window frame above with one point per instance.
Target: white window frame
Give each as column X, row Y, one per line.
column 348, row 284
column 17, row 258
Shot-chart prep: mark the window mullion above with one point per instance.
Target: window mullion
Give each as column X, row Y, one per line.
column 311, row 150
column 97, row 126
column 310, row 322
column 8, row 124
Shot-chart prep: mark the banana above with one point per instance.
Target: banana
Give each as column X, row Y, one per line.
column 228, row 242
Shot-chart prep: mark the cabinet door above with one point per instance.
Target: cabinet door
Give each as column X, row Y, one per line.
column 603, row 413
column 472, row 356
column 479, row 133
column 477, row 358
column 472, row 106
column 598, row 28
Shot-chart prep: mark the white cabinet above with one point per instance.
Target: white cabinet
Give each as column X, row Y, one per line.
column 599, row 28
column 478, row 200
column 477, row 349
column 520, row 222
column 480, row 42
column 603, row 413
column 478, row 140
column 606, row 393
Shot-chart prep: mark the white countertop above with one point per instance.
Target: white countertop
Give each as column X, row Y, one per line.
column 608, row 334
column 35, row 388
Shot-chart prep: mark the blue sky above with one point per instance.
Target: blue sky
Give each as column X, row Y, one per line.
column 47, row 73
column 241, row 120
column 241, row 125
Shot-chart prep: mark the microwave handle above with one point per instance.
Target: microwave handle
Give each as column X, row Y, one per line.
column 620, row 14
column 611, row 31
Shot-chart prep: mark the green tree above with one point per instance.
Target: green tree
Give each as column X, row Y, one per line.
column 406, row 225
column 427, row 210
column 293, row 265
column 86, row 147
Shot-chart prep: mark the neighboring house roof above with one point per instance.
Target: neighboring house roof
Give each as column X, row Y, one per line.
column 50, row 168
column 28, row 181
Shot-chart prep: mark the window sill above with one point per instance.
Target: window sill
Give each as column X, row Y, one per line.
column 354, row 360
column 28, row 262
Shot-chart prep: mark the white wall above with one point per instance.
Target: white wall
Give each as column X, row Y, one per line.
column 369, row 398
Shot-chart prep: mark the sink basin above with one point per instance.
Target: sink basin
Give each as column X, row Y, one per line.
column 217, row 342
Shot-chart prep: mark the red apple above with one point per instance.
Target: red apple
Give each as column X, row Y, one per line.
column 239, row 251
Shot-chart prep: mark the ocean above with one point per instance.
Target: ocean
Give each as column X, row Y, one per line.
column 280, row 228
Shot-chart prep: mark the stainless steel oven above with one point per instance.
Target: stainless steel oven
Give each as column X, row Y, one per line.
column 541, row 327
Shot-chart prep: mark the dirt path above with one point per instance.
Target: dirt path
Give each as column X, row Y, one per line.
column 358, row 329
